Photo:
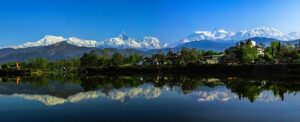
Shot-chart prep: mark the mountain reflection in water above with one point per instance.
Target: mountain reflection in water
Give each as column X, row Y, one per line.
column 60, row 90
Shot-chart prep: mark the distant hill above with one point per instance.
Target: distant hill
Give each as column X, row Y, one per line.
column 220, row 39
column 208, row 45
column 58, row 51
column 58, row 47
column 221, row 45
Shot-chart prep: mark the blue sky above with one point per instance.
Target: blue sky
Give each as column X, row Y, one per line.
column 168, row 20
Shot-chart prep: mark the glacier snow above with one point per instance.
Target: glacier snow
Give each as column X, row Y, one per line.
column 122, row 41
column 223, row 35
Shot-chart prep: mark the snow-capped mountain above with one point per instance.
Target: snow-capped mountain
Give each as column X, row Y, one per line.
column 223, row 35
column 216, row 34
column 151, row 43
column 259, row 32
column 45, row 41
column 82, row 43
column 124, row 41
column 50, row 40
column 292, row 36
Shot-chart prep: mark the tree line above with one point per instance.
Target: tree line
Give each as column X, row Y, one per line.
column 276, row 52
column 244, row 52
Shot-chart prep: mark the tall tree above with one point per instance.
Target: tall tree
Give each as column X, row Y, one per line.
column 117, row 59
column 38, row 63
column 249, row 54
column 89, row 59
column 134, row 58
column 248, row 51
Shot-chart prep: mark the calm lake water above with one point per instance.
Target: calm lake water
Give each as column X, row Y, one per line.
column 149, row 98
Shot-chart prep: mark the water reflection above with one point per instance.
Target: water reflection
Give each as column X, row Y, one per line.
column 222, row 94
column 60, row 90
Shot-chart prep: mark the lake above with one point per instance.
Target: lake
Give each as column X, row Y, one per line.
column 149, row 98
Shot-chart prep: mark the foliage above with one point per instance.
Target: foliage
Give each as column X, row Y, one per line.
column 38, row 63
column 160, row 57
column 243, row 52
column 89, row 59
column 249, row 53
column 134, row 59
column 117, row 59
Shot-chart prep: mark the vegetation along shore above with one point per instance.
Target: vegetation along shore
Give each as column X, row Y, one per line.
column 244, row 58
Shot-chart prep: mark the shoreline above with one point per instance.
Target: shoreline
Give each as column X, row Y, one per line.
column 194, row 69
column 191, row 69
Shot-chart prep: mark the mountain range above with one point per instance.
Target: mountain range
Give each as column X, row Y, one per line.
column 58, row 47
column 121, row 42
column 220, row 39
column 58, row 51
column 223, row 35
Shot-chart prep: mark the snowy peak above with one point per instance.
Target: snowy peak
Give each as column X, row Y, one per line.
column 50, row 40
column 45, row 41
column 124, row 41
column 263, row 31
column 215, row 34
column 292, row 36
column 151, row 43
column 222, row 34
column 82, row 43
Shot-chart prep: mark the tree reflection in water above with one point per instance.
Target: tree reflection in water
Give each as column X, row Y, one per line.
column 204, row 88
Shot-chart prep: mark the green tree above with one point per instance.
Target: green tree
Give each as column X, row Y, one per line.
column 244, row 52
column 117, row 59
column 185, row 55
column 89, row 59
column 75, row 62
column 210, row 52
column 200, row 54
column 249, row 53
column 160, row 57
column 38, row 63
column 273, row 50
column 282, row 52
column 106, row 53
column 194, row 53
column 53, row 65
column 102, row 61
column 135, row 58
column 5, row 66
